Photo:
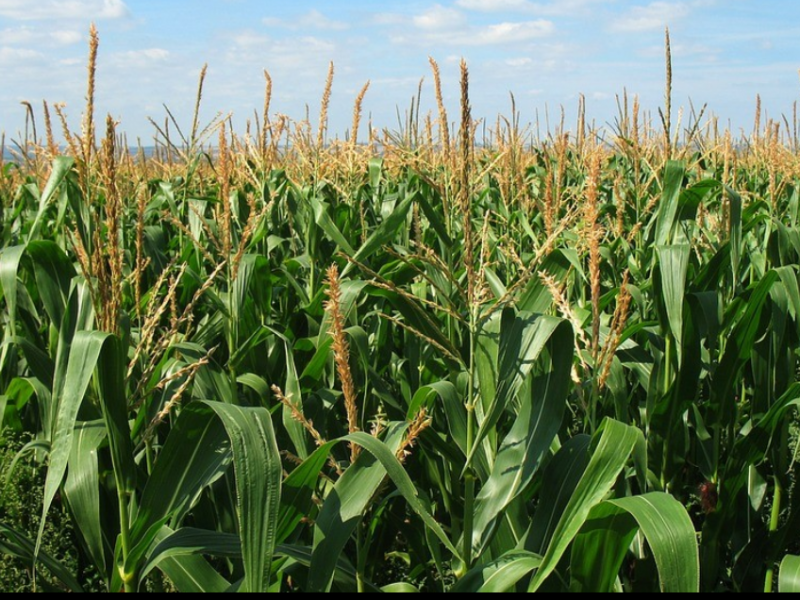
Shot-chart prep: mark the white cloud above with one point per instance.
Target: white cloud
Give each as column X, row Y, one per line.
column 154, row 54
column 140, row 59
column 29, row 35
column 317, row 20
column 27, row 10
column 656, row 15
column 449, row 26
column 490, row 35
column 395, row 82
column 554, row 8
column 383, row 19
column 249, row 39
column 542, row 60
column 16, row 55
column 303, row 54
column 440, row 18
column 298, row 65
column 509, row 33
column 495, row 5
column 313, row 19
column 699, row 53
column 519, row 62
column 66, row 37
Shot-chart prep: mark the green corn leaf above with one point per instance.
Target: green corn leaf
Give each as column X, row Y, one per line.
column 534, row 430
column 84, row 358
column 21, row 391
column 193, row 575
column 81, row 489
column 436, row 220
column 207, row 436
column 297, row 499
column 600, row 549
column 352, row 494
column 259, row 474
column 420, row 320
column 190, row 572
column 604, row 541
column 195, row 455
column 735, row 231
column 41, row 365
column 344, row 507
column 251, row 283
column 294, row 392
column 455, row 413
column 345, row 576
column 375, row 172
column 400, row 588
column 537, row 298
column 615, row 445
column 79, row 316
column 324, row 221
column 740, row 344
column 191, row 542
column 257, row 384
column 789, row 579
column 350, row 293
column 10, row 259
column 403, row 482
column 499, row 576
column 111, row 370
column 670, row 200
column 674, row 264
column 560, row 479
column 522, row 339
column 487, row 350
column 384, row 234
column 54, row 272
column 3, row 404
column 62, row 165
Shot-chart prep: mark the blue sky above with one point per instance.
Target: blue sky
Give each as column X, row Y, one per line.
column 546, row 52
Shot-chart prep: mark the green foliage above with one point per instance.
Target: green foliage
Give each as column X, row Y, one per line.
column 574, row 369
column 22, row 487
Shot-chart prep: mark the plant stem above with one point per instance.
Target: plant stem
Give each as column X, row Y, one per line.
column 469, row 519
column 667, row 364
column 667, row 383
column 312, row 280
column 773, row 527
column 469, row 481
column 124, row 488
column 595, row 398
column 777, row 502
column 128, row 579
column 148, row 446
column 361, row 560
column 233, row 329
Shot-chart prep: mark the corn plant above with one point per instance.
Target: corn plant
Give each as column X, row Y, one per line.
column 279, row 363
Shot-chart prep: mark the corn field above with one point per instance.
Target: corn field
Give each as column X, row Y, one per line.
column 441, row 359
